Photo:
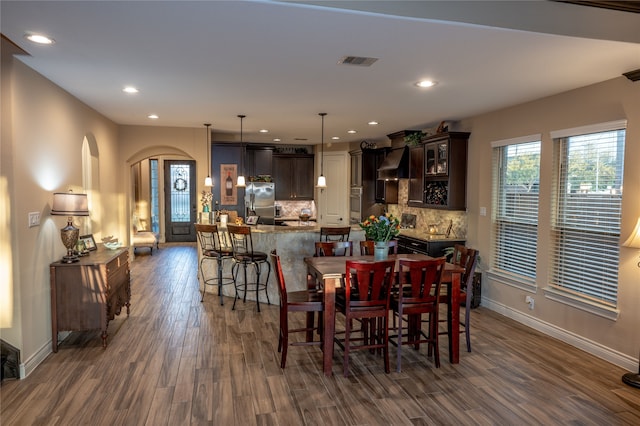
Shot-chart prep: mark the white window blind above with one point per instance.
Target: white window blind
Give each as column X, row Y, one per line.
column 516, row 171
column 586, row 217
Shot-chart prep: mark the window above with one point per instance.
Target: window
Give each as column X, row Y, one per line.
column 585, row 230
column 516, row 167
column 155, row 192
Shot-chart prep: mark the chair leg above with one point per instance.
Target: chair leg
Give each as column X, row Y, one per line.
column 266, row 282
column 235, row 267
column 220, row 281
column 345, row 361
column 204, row 284
column 257, row 266
column 384, row 323
column 399, row 360
column 467, row 321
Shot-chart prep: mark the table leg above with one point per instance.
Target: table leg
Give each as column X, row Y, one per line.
column 329, row 325
column 453, row 318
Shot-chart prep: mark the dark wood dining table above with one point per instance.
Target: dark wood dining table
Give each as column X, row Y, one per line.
column 329, row 270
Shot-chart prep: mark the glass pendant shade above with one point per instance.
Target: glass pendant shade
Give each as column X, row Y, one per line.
column 208, row 181
column 241, row 183
column 322, row 182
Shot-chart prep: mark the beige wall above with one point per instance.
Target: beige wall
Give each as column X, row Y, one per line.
column 607, row 101
column 42, row 154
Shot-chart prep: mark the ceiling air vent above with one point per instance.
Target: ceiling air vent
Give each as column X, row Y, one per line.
column 360, row 61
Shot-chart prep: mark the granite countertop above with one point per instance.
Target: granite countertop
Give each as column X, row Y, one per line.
column 276, row 229
column 425, row 235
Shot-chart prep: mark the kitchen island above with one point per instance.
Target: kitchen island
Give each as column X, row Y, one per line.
column 293, row 244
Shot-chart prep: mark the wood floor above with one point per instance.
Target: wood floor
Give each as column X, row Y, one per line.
column 176, row 361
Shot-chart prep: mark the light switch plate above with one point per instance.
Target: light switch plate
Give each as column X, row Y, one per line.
column 34, row 219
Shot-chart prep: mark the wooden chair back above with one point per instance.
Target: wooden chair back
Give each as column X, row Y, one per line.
column 340, row 233
column 368, row 285
column 420, row 281
column 209, row 239
column 367, row 247
column 334, row 248
column 241, row 241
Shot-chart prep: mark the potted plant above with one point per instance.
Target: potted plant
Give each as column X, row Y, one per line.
column 414, row 139
column 380, row 230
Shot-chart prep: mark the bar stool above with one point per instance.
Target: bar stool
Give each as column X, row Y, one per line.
column 244, row 255
column 213, row 250
column 336, row 233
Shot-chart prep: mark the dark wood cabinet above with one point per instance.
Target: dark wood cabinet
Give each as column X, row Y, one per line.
column 259, row 161
column 293, row 176
column 438, row 172
column 386, row 189
column 416, row 176
column 87, row 294
column 434, row 248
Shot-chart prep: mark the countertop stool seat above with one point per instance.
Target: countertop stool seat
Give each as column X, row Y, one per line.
column 213, row 251
column 243, row 256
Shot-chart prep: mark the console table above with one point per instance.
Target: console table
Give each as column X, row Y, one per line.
column 87, row 294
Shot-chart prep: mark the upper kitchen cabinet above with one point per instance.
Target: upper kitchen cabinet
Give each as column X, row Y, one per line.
column 356, row 168
column 293, row 176
column 438, row 172
column 259, row 161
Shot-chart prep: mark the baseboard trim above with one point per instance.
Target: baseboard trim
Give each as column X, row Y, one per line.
column 589, row 346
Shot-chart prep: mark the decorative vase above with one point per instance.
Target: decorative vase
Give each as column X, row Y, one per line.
column 205, row 208
column 380, row 250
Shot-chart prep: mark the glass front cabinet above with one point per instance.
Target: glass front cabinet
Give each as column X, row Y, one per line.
column 441, row 183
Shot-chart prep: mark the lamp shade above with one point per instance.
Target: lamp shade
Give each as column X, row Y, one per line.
column 70, row 204
column 241, row 182
column 208, row 181
column 322, row 182
column 634, row 239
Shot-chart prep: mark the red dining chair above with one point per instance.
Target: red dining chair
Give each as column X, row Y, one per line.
column 367, row 289
column 466, row 258
column 417, row 293
column 295, row 301
column 367, row 247
column 334, row 248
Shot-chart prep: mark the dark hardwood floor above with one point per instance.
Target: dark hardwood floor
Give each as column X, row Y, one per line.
column 176, row 361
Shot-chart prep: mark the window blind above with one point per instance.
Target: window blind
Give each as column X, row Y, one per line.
column 516, row 182
column 587, row 212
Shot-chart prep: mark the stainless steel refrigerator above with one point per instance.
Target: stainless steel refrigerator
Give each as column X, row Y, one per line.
column 259, row 200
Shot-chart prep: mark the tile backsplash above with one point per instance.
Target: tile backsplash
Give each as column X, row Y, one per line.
column 427, row 217
column 293, row 208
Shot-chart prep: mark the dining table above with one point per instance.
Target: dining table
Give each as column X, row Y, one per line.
column 329, row 271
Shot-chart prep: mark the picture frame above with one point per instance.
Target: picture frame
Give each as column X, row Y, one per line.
column 89, row 242
column 252, row 220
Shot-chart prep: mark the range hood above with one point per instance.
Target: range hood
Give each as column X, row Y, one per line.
column 395, row 165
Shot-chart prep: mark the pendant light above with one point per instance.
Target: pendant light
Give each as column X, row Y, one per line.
column 322, row 182
column 208, row 182
column 241, row 182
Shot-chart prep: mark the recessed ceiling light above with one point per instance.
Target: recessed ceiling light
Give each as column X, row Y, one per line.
column 264, row 131
column 276, row 139
column 130, row 89
column 153, row 116
column 335, row 138
column 426, row 83
column 373, row 123
column 39, row 38
column 352, row 131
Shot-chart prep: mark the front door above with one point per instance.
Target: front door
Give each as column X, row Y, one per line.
column 180, row 200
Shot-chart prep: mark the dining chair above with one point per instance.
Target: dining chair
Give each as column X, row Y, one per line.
column 335, row 233
column 244, row 255
column 295, row 301
column 466, row 258
column 213, row 250
column 417, row 292
column 367, row 247
column 334, row 248
column 367, row 289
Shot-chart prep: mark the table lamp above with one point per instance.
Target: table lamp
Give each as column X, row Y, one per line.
column 633, row 379
column 69, row 204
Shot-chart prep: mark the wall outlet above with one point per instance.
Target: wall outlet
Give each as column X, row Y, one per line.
column 530, row 301
column 34, row 219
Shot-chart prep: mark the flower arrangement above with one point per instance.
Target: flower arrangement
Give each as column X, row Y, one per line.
column 206, row 198
column 381, row 228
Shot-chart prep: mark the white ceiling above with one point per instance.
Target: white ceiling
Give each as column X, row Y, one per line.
column 276, row 62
